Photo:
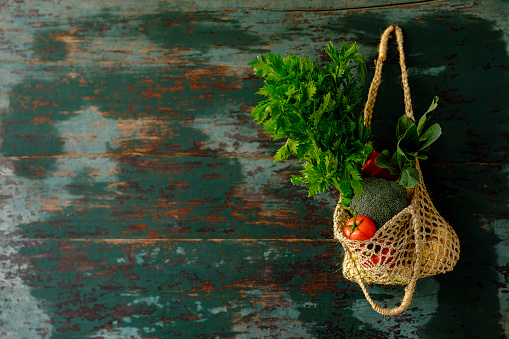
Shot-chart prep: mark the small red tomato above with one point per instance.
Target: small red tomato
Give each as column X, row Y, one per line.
column 375, row 258
column 362, row 228
column 382, row 259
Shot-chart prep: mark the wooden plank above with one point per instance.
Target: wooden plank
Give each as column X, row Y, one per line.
column 229, row 288
column 204, row 108
column 188, row 110
column 178, row 288
column 140, row 197
column 124, row 32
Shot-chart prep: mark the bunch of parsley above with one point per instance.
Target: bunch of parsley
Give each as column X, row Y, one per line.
column 317, row 110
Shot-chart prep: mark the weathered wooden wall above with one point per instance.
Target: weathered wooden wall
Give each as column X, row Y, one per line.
column 139, row 200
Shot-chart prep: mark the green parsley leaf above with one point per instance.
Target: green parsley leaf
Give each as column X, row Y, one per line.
column 318, row 111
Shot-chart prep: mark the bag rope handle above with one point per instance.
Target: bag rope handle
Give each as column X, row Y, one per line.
column 409, row 289
column 368, row 114
column 377, row 78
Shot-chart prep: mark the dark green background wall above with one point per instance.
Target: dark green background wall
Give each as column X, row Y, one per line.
column 139, row 200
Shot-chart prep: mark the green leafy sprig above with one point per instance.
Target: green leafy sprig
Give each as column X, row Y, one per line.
column 413, row 142
column 317, row 111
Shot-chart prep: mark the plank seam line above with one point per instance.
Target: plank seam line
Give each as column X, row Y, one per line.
column 150, row 63
column 311, row 10
column 162, row 240
column 109, row 154
column 183, row 155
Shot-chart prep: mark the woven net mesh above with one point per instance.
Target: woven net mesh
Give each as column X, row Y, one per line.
column 389, row 256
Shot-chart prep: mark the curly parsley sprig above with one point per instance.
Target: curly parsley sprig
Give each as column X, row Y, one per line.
column 317, row 110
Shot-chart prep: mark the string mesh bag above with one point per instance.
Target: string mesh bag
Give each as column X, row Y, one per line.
column 415, row 243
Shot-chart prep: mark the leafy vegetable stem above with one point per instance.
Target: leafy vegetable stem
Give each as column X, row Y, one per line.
column 414, row 141
column 309, row 132
column 313, row 140
column 349, row 209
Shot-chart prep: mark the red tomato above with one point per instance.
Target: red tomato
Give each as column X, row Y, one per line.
column 381, row 258
column 362, row 229
column 375, row 258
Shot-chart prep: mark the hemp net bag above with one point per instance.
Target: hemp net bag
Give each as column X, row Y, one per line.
column 417, row 242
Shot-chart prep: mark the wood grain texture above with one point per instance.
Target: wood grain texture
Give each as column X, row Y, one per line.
column 139, row 200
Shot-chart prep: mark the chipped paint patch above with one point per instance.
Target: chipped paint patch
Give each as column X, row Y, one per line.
column 22, row 315
column 251, row 322
column 433, row 71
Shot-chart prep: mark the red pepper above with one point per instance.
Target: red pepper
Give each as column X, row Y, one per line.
column 370, row 168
